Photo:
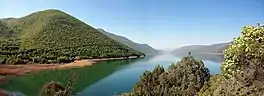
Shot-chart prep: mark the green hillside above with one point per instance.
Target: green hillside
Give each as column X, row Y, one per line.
column 53, row 36
column 144, row 48
column 4, row 30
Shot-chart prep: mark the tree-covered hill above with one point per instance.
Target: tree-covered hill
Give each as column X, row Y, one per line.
column 144, row 48
column 53, row 36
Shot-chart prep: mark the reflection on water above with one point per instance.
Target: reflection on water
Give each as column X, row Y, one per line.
column 105, row 78
column 124, row 79
column 31, row 84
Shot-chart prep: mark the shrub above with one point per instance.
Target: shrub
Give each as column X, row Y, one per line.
column 10, row 60
column 65, row 59
column 36, row 59
column 56, row 89
column 185, row 78
column 43, row 61
column 243, row 70
column 246, row 54
column 19, row 61
column 53, row 89
column 2, row 60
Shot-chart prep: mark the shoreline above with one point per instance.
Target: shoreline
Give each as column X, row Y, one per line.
column 22, row 69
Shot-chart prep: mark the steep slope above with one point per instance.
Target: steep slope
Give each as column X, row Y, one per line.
column 5, row 31
column 202, row 49
column 54, row 36
column 144, row 48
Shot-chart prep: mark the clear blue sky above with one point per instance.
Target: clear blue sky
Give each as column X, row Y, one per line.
column 162, row 24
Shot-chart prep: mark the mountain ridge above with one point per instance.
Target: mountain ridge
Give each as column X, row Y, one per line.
column 54, row 36
column 202, row 49
column 144, row 48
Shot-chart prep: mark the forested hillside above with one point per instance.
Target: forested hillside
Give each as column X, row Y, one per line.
column 4, row 30
column 52, row 36
column 144, row 48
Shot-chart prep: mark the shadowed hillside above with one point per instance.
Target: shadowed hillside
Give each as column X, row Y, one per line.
column 144, row 48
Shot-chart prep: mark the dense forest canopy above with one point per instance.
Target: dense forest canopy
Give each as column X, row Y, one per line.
column 144, row 48
column 52, row 36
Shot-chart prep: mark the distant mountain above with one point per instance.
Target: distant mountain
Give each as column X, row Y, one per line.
column 202, row 49
column 144, row 48
column 53, row 36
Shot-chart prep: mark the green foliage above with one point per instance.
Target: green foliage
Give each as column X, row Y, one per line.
column 5, row 30
column 53, row 36
column 209, row 87
column 219, row 86
column 52, row 89
column 242, row 71
column 56, row 89
column 64, row 59
column 245, row 53
column 185, row 78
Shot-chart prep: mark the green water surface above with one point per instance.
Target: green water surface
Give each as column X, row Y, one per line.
column 32, row 83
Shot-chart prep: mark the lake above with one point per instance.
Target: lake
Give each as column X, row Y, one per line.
column 106, row 78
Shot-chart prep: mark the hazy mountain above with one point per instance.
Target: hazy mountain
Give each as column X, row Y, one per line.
column 202, row 49
column 144, row 48
column 54, row 36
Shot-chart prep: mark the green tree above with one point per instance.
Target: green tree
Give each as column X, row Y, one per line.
column 246, row 54
column 56, row 89
column 185, row 78
column 243, row 70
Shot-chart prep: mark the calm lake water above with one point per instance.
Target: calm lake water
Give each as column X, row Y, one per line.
column 106, row 78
